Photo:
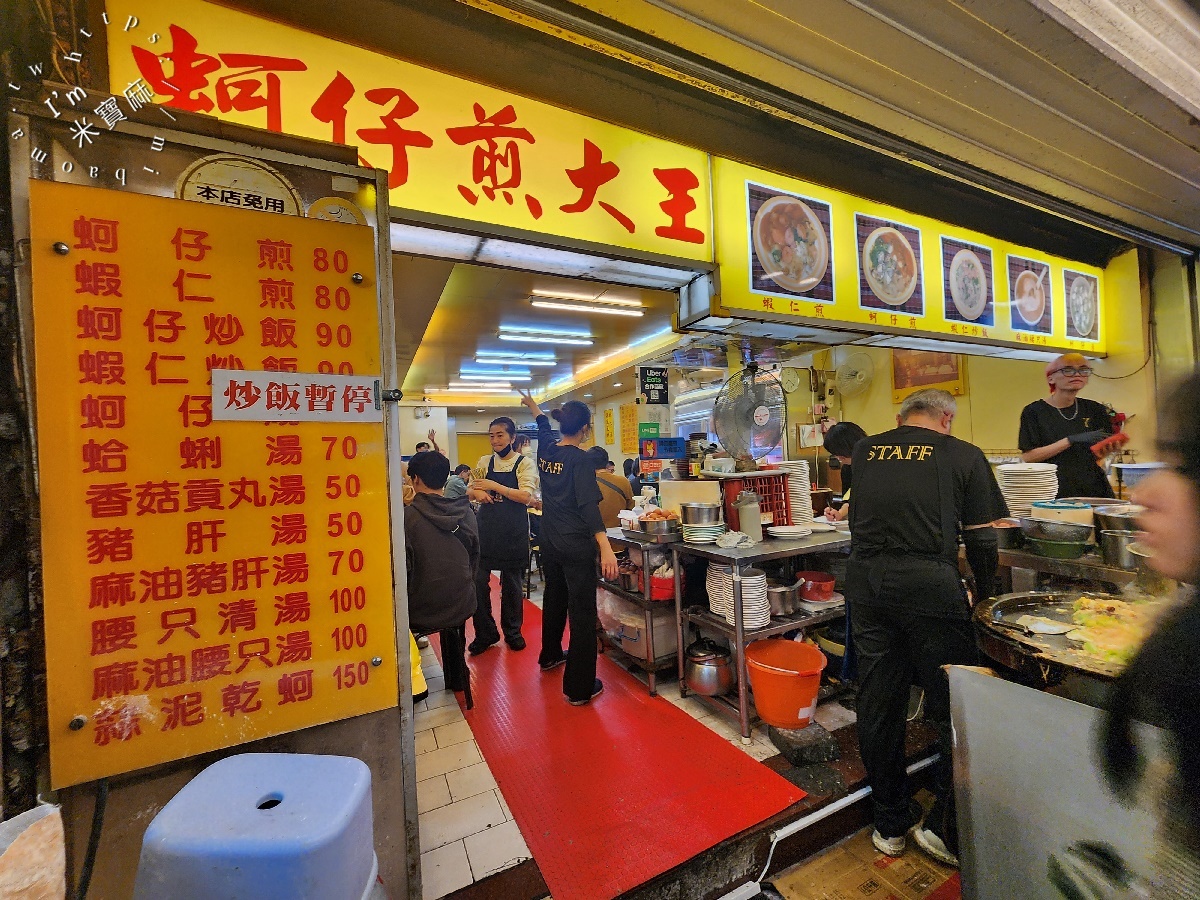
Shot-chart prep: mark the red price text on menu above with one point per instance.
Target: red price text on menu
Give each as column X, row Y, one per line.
column 207, row 582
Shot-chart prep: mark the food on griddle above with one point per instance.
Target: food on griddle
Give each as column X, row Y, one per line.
column 1112, row 630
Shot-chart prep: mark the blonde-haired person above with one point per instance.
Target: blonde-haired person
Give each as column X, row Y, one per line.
column 571, row 538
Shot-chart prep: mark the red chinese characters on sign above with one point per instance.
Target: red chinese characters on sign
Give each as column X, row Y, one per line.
column 493, row 169
column 254, row 85
column 589, row 178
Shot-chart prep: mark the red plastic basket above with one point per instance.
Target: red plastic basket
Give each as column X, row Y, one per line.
column 772, row 490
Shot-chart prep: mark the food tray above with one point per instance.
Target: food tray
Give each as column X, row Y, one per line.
column 1050, row 656
column 647, row 537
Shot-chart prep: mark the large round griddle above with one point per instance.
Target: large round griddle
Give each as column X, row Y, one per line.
column 1049, row 656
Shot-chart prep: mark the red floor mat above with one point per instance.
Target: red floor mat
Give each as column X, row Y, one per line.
column 609, row 795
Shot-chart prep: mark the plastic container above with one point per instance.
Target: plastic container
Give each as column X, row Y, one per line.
column 662, row 588
column 771, row 487
column 785, row 677
column 273, row 826
column 749, row 515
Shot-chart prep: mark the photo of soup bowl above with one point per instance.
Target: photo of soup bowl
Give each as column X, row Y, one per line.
column 790, row 243
column 1030, row 297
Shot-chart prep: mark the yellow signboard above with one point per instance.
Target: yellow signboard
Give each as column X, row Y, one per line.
column 789, row 249
column 207, row 583
column 610, row 430
column 629, row 429
column 452, row 147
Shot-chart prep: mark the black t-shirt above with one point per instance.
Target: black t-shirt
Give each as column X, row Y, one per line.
column 900, row 557
column 1078, row 473
column 896, row 507
column 570, row 495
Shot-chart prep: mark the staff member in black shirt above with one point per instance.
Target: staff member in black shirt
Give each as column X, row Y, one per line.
column 1062, row 428
column 572, row 533
column 916, row 489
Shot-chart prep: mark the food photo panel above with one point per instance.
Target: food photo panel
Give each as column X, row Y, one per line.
column 1030, row 295
column 889, row 266
column 1083, row 307
column 967, row 280
column 790, row 245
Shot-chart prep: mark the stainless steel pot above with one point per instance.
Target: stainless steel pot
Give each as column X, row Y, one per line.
column 660, row 526
column 1114, row 545
column 1118, row 517
column 709, row 669
column 700, row 513
column 784, row 598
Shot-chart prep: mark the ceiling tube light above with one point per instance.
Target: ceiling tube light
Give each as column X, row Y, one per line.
column 544, row 339
column 587, row 308
column 522, row 355
column 499, row 376
column 504, row 360
column 476, row 389
column 566, row 295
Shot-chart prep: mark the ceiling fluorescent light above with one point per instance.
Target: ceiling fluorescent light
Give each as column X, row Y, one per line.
column 540, row 339
column 476, row 389
column 522, row 355
column 590, row 308
column 604, row 299
column 505, row 377
column 504, row 361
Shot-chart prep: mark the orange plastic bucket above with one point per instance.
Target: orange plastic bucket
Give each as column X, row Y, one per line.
column 785, row 677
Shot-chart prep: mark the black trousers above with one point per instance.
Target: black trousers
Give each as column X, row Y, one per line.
column 895, row 649
column 570, row 594
column 512, row 597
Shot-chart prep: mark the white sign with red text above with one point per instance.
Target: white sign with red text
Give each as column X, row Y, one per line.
column 294, row 397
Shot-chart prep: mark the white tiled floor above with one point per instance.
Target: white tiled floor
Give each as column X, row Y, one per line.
column 467, row 830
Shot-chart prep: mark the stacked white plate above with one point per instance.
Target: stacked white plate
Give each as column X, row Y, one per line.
column 703, row 534
column 788, row 532
column 799, row 491
column 719, row 583
column 756, row 607
column 1023, row 484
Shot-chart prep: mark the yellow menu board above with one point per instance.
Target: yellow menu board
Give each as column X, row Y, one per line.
column 452, row 147
column 789, row 249
column 207, row 582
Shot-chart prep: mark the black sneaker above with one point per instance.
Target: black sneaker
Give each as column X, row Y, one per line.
column 597, row 690
column 477, row 646
column 517, row 643
column 553, row 664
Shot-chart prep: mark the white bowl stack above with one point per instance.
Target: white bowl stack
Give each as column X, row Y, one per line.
column 756, row 606
column 799, row 491
column 1024, row 484
column 719, row 584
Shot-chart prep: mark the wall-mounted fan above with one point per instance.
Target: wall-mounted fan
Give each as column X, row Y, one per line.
column 749, row 416
column 854, row 376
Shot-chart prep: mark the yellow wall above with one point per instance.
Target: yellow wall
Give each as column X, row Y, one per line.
column 998, row 389
column 471, row 447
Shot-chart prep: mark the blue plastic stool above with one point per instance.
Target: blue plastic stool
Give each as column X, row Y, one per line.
column 272, row 826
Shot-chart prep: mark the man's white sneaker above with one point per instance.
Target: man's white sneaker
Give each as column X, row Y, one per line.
column 934, row 846
column 893, row 846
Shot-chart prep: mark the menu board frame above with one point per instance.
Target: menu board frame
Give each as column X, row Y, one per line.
column 113, row 165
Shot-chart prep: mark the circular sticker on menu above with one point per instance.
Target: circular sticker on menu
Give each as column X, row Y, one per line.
column 762, row 415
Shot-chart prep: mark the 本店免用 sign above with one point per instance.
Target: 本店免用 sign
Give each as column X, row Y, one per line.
column 209, row 582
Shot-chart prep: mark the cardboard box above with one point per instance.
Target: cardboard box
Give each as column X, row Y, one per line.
column 855, row 869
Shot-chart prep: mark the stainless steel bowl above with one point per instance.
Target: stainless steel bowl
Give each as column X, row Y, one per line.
column 1114, row 545
column 700, row 513
column 660, row 526
column 1118, row 517
column 1063, row 532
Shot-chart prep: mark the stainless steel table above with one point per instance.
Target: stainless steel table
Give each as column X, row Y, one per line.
column 741, row 559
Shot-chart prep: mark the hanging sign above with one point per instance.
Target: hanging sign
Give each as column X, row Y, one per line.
column 652, row 385
column 213, row 581
column 629, row 429
column 610, row 428
column 452, row 147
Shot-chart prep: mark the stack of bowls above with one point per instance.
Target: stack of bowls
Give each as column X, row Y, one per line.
column 1023, row 484
column 701, row 522
column 719, row 584
column 799, row 491
column 756, row 605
